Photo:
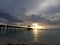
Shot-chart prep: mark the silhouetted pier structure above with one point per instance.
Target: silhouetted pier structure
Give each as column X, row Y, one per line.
column 5, row 29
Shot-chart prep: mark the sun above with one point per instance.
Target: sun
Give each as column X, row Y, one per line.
column 36, row 26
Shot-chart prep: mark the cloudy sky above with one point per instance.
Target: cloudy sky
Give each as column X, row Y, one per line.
column 49, row 9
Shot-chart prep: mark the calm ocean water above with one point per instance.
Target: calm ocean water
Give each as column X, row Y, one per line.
column 48, row 37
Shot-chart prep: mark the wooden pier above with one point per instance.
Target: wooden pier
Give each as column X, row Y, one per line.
column 5, row 29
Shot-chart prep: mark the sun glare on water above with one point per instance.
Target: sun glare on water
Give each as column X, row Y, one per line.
column 35, row 27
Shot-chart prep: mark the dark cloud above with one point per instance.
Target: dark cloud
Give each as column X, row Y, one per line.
column 8, row 17
column 41, row 19
column 11, row 10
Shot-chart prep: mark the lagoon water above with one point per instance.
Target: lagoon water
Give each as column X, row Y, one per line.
column 38, row 37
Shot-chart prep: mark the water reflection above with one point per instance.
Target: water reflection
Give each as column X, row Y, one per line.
column 36, row 34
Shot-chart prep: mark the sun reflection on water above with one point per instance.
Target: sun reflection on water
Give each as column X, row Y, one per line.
column 36, row 31
column 36, row 34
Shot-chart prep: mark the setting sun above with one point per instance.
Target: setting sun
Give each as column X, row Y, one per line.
column 36, row 26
